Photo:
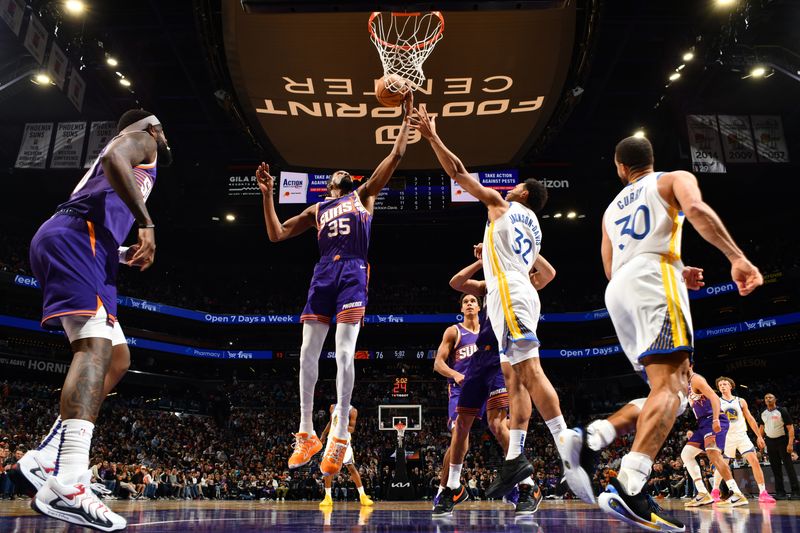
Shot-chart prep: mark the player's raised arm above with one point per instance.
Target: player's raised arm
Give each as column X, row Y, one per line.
column 543, row 273
column 384, row 171
column 277, row 230
column 446, row 347
column 462, row 281
column 452, row 165
column 708, row 224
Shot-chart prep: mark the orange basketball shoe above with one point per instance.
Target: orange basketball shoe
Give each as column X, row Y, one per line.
column 305, row 447
column 334, row 457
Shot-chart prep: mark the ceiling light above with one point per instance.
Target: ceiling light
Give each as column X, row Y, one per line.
column 572, row 214
column 74, row 6
column 124, row 82
column 111, row 61
column 758, row 72
column 42, row 79
column 680, row 67
column 725, row 2
column 688, row 56
column 230, row 217
column 557, row 215
column 674, row 76
column 638, row 134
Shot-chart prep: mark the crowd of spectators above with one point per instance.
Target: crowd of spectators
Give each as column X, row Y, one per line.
column 140, row 451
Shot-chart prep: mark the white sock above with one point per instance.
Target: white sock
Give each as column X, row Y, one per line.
column 314, row 334
column 732, row 486
column 439, row 492
column 49, row 445
column 454, row 479
column 516, row 443
column 527, row 481
column 717, row 478
column 634, row 471
column 360, row 490
column 556, row 425
column 328, row 492
column 72, row 459
column 346, row 335
column 761, row 488
column 600, row 434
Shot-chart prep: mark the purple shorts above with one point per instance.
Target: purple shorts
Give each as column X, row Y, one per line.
column 454, row 402
column 338, row 288
column 484, row 387
column 704, row 429
column 76, row 263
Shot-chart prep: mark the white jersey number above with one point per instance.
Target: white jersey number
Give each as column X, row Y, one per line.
column 340, row 226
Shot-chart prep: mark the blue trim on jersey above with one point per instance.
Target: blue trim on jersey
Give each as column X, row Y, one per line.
column 526, row 336
column 689, row 349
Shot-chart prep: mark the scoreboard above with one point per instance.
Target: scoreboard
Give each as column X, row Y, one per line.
column 402, row 193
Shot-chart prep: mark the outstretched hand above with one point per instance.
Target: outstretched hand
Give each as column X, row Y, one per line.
column 265, row 181
column 425, row 124
column 408, row 102
column 477, row 250
column 746, row 276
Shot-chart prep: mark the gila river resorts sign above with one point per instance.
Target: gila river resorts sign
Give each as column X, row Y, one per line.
column 306, row 81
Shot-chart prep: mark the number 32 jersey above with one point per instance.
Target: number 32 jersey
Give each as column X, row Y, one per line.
column 511, row 244
column 639, row 221
column 343, row 228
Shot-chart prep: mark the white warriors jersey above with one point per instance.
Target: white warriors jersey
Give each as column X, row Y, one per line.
column 511, row 244
column 639, row 221
column 733, row 409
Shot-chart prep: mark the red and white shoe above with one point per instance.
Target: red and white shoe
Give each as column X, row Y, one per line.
column 76, row 504
column 715, row 495
column 32, row 471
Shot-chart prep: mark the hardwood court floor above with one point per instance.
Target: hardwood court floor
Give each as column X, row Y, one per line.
column 244, row 517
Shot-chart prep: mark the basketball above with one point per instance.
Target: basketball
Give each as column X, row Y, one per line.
column 386, row 93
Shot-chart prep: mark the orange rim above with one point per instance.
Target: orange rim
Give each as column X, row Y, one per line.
column 421, row 45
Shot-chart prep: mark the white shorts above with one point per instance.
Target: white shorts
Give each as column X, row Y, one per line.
column 648, row 303
column 513, row 307
column 85, row 327
column 737, row 442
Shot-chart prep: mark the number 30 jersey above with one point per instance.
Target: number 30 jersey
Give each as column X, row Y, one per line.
column 511, row 244
column 639, row 221
column 343, row 228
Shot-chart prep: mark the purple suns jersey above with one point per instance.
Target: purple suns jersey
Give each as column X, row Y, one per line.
column 462, row 352
column 701, row 405
column 94, row 198
column 343, row 227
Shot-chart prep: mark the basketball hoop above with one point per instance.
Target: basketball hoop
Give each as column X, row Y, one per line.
column 404, row 41
column 400, row 427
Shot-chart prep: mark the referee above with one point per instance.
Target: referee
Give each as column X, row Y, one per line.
column 778, row 430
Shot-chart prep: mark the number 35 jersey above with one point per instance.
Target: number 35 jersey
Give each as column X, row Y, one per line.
column 639, row 221
column 343, row 227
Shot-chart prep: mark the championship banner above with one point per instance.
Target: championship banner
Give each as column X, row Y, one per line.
column 100, row 133
column 770, row 142
column 68, row 147
column 57, row 65
column 704, row 144
column 737, row 138
column 11, row 11
column 502, row 180
column 35, row 145
column 76, row 89
column 36, row 39
column 293, row 188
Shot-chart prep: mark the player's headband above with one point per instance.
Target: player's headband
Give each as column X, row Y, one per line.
column 142, row 124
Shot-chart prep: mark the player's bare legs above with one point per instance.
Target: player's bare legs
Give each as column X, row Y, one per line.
column 120, row 362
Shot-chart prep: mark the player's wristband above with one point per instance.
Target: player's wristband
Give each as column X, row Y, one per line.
column 147, row 226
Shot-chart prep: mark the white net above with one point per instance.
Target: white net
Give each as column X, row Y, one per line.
column 404, row 41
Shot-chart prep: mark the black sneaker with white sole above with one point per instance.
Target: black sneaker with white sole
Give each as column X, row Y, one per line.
column 512, row 472
column 639, row 510
column 448, row 499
